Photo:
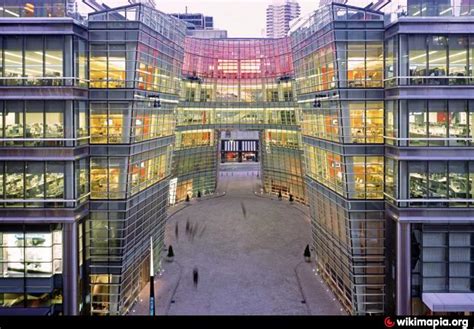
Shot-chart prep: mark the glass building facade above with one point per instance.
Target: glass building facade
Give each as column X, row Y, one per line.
column 338, row 57
column 429, row 53
column 44, row 152
column 136, row 56
column 367, row 116
column 243, row 84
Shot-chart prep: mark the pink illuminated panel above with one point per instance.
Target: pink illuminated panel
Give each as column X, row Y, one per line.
column 237, row 58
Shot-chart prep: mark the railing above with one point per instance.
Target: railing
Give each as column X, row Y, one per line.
column 76, row 202
column 427, row 10
column 55, row 9
column 421, row 200
column 466, row 139
column 14, row 139
column 43, row 81
column 436, row 80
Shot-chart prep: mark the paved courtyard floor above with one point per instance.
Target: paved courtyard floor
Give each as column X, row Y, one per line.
column 248, row 250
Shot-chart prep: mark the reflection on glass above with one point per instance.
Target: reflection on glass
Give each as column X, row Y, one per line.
column 55, row 180
column 458, row 60
column 437, row 121
column 437, row 59
column 13, row 61
column 33, row 60
column 53, row 58
column 417, row 123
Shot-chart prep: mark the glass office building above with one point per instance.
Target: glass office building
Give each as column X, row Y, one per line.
column 44, row 153
column 136, row 56
column 429, row 172
column 338, row 56
column 242, row 84
column 367, row 116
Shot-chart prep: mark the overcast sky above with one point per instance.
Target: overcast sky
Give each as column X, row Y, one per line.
column 241, row 18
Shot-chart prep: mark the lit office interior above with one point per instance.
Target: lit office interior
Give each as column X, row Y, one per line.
column 135, row 71
column 44, row 60
column 430, row 60
column 27, row 253
column 339, row 80
column 241, row 84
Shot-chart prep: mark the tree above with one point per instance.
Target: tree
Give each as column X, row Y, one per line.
column 291, row 198
column 199, row 194
column 307, row 253
column 187, row 197
column 170, row 251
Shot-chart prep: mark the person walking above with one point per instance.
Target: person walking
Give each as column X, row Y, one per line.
column 176, row 231
column 195, row 277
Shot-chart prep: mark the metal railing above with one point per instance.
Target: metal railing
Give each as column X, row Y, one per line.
column 426, row 10
column 431, row 80
column 44, row 81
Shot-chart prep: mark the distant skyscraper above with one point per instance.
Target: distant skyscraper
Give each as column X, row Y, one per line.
column 279, row 17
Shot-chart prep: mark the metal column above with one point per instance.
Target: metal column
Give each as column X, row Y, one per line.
column 403, row 271
column 70, row 269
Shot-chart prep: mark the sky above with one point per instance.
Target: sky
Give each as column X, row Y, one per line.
column 241, row 18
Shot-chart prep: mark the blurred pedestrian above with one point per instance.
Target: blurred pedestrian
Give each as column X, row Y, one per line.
column 187, row 226
column 176, row 230
column 195, row 277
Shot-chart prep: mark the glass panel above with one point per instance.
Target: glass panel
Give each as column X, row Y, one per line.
column 437, row 59
column 356, row 65
column 116, row 66
column 99, row 123
column 458, row 123
column 34, row 60
column 34, row 180
column 418, row 181
column 14, row 120
column 458, row 182
column 13, row 59
column 54, row 53
column 34, row 121
column 417, row 121
column 437, row 179
column 99, row 178
column 458, row 60
column 55, row 119
column 55, row 180
column 98, row 66
column 14, row 182
column 438, row 122
column 417, row 58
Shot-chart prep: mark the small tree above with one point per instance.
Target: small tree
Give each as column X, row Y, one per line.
column 170, row 251
column 291, row 198
column 187, row 197
column 279, row 195
column 199, row 194
column 307, row 253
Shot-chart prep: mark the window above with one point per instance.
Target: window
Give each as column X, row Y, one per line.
column 417, row 123
column 458, row 67
column 417, row 57
column 437, row 59
column 33, row 60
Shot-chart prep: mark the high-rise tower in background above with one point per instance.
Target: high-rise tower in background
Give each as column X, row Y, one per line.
column 279, row 17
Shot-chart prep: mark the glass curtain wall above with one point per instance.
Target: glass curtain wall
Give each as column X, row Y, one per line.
column 241, row 84
column 338, row 55
column 135, row 70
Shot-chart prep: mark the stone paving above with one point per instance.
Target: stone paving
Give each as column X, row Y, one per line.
column 249, row 254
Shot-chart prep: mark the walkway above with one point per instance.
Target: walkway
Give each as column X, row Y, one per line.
column 249, row 253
